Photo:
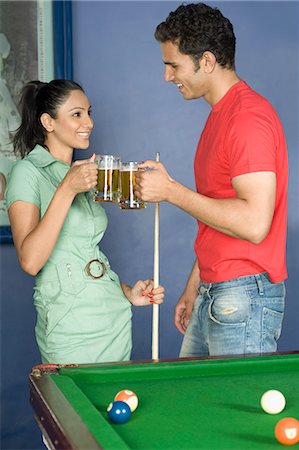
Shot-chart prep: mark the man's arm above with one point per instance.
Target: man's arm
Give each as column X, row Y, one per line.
column 184, row 306
column 248, row 216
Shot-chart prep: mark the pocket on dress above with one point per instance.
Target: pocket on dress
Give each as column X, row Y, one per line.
column 55, row 314
column 55, row 293
column 46, row 292
column 71, row 277
column 45, row 297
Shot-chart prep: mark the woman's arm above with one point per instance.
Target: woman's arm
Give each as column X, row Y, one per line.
column 35, row 238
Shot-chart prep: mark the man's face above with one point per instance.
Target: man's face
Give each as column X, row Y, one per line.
column 180, row 69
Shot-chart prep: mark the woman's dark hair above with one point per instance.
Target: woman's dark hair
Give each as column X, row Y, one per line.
column 196, row 28
column 38, row 98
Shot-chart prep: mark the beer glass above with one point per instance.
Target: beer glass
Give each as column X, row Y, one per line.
column 128, row 199
column 107, row 189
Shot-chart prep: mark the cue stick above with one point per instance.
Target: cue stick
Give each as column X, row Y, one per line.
column 155, row 322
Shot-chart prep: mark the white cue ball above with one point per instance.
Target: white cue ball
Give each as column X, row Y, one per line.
column 273, row 402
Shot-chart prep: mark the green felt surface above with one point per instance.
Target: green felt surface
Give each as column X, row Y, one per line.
column 212, row 404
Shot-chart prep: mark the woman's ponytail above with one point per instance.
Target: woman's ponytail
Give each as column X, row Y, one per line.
column 30, row 132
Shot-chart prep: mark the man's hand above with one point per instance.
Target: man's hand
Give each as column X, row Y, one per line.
column 182, row 312
column 153, row 185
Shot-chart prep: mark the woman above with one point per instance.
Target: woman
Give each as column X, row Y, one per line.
column 83, row 311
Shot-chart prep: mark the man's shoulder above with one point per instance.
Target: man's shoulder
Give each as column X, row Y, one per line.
column 248, row 99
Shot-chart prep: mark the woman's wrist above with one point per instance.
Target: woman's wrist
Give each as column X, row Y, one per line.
column 65, row 191
column 127, row 290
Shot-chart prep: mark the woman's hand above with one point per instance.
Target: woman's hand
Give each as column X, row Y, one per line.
column 143, row 293
column 82, row 176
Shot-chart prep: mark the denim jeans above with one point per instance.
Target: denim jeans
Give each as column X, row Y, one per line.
column 239, row 316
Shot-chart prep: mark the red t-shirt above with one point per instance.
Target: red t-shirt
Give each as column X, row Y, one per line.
column 242, row 134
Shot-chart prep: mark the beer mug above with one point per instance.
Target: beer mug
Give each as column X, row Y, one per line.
column 107, row 189
column 128, row 199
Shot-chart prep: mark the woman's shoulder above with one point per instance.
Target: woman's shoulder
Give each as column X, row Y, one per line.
column 23, row 164
column 23, row 167
column 22, row 178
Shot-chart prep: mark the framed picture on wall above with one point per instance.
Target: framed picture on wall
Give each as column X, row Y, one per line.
column 26, row 53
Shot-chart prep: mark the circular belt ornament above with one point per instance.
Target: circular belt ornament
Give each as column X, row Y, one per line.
column 95, row 269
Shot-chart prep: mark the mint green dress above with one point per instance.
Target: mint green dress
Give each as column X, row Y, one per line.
column 79, row 319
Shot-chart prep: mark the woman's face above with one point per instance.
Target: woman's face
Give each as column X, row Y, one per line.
column 73, row 124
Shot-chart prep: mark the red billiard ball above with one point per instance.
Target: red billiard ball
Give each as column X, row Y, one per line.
column 119, row 412
column 287, row 431
column 128, row 397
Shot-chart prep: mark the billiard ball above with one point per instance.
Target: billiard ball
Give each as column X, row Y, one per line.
column 287, row 431
column 128, row 397
column 119, row 412
column 273, row 402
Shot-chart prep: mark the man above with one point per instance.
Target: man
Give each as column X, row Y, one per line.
column 233, row 302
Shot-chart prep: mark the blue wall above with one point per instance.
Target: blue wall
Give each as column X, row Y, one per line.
column 136, row 114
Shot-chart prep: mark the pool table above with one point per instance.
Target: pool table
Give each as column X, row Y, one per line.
column 206, row 404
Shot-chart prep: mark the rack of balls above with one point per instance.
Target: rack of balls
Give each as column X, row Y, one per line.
column 287, row 429
column 124, row 404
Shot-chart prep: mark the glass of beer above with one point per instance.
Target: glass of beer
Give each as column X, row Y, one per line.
column 128, row 199
column 108, row 188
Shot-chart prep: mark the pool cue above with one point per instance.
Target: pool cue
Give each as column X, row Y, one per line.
column 155, row 320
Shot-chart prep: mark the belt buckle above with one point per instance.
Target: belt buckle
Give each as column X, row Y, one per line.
column 89, row 270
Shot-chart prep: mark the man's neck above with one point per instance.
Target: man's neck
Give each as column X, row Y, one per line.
column 221, row 83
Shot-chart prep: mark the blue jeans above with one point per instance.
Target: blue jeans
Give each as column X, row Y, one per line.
column 234, row 317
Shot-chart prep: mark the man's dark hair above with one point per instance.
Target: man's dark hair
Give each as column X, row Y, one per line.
column 196, row 28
